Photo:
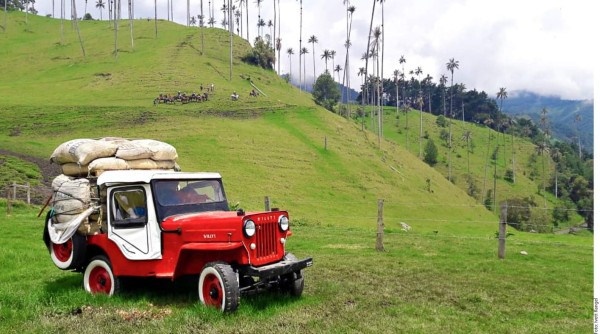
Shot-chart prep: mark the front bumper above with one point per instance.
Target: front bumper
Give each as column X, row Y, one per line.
column 277, row 269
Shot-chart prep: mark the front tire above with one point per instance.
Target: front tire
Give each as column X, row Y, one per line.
column 218, row 287
column 99, row 278
column 293, row 283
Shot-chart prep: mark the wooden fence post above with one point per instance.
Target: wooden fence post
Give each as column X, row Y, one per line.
column 267, row 204
column 379, row 242
column 28, row 193
column 8, row 202
column 325, row 143
column 502, row 231
column 14, row 194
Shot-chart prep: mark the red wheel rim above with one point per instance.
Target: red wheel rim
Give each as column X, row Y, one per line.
column 62, row 252
column 100, row 280
column 212, row 291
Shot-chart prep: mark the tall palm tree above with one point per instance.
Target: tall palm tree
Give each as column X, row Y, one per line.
column 368, row 55
column 443, row 81
column 418, row 73
column 300, row 47
column 543, row 147
column 489, row 123
column 502, row 95
column 258, row 2
column 451, row 66
column 130, row 12
column 304, row 51
column 290, row 52
column 100, row 5
column 278, row 47
column 428, row 85
column 377, row 34
column 313, row 39
column 332, row 54
column 577, row 121
column 326, row 54
column 338, row 69
column 555, row 155
column 467, row 136
column 396, row 78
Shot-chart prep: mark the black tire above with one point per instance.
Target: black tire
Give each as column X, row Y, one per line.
column 218, row 287
column 98, row 277
column 67, row 256
column 293, row 283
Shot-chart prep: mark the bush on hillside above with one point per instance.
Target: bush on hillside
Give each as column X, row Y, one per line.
column 262, row 54
column 326, row 92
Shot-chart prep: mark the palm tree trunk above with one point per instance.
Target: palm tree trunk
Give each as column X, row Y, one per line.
column 300, row 48
column 155, row 21
column 512, row 144
column 486, row 164
column 368, row 48
column 130, row 3
column 229, row 3
column 77, row 28
column 116, row 28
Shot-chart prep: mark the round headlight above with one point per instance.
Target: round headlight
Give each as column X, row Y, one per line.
column 249, row 228
column 284, row 223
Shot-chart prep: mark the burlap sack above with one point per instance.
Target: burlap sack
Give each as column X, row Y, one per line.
column 82, row 151
column 150, row 164
column 103, row 164
column 73, row 169
column 71, row 196
column 160, row 150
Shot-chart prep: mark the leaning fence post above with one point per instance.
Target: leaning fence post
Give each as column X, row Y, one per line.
column 28, row 193
column 267, row 204
column 502, row 231
column 379, row 242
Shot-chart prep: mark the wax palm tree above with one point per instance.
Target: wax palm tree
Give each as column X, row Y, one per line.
column 418, row 73
column 258, row 2
column 396, row 78
column 100, row 5
column 290, row 52
column 300, row 47
column 377, row 34
column 326, row 55
column 304, row 51
column 451, row 66
column 313, row 39
column 556, row 156
column 337, row 69
column 428, row 84
column 368, row 55
column 278, row 47
column 75, row 21
column 332, row 54
column 577, row 121
column 468, row 136
column 489, row 123
column 443, row 81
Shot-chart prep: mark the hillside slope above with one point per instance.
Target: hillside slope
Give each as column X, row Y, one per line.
column 273, row 145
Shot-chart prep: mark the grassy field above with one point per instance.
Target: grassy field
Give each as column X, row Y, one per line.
column 423, row 283
column 441, row 276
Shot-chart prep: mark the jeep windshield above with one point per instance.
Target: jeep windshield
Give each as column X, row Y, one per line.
column 173, row 197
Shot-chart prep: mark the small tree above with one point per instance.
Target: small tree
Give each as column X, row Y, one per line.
column 326, row 92
column 431, row 153
column 262, row 54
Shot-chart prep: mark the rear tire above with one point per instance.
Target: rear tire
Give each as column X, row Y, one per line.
column 99, row 278
column 67, row 256
column 218, row 287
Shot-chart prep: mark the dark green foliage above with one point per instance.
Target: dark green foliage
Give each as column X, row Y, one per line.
column 431, row 153
column 472, row 189
column 488, row 200
column 262, row 54
column 326, row 92
column 441, row 121
column 508, row 175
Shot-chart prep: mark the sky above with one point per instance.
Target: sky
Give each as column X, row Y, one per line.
column 545, row 46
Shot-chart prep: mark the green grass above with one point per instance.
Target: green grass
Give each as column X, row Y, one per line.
column 441, row 275
column 423, row 283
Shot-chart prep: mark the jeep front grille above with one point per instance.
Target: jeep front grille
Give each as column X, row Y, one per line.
column 266, row 241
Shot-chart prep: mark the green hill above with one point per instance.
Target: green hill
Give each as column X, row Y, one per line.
column 272, row 145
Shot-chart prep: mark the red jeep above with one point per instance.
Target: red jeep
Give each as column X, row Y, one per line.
column 169, row 224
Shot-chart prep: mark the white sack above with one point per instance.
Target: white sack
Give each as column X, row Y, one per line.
column 103, row 164
column 82, row 151
column 62, row 232
column 70, row 195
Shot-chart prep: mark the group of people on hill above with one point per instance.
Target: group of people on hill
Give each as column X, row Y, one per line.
column 235, row 96
column 184, row 98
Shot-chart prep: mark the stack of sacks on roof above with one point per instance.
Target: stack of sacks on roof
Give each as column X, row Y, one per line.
column 74, row 191
column 89, row 157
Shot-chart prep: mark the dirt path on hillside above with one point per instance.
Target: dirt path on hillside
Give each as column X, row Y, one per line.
column 48, row 170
